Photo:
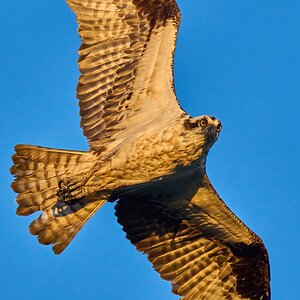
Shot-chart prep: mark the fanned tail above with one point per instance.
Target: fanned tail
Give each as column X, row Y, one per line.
column 37, row 173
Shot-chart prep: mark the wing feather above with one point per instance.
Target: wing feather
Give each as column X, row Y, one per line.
column 126, row 65
column 219, row 260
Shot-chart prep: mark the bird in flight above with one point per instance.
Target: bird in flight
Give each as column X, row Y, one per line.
column 147, row 155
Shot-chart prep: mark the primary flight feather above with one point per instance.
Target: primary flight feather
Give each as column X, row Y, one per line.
column 147, row 154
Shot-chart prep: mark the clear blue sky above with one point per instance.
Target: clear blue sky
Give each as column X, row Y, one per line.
column 236, row 60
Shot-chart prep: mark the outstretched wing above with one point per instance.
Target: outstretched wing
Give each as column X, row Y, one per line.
column 196, row 242
column 126, row 65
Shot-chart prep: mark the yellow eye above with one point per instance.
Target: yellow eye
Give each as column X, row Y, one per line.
column 219, row 127
column 203, row 122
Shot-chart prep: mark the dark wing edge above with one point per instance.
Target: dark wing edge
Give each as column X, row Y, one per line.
column 199, row 265
column 127, row 54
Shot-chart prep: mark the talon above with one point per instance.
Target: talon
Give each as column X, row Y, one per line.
column 62, row 185
column 70, row 189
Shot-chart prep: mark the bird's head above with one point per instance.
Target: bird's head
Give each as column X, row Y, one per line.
column 207, row 127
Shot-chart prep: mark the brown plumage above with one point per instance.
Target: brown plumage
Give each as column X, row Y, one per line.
column 38, row 172
column 204, row 253
column 145, row 153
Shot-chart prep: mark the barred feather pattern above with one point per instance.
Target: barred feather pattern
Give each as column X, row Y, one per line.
column 200, row 264
column 178, row 220
column 178, row 252
column 37, row 173
column 126, row 64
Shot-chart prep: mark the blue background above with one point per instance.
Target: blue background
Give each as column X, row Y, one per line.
column 236, row 60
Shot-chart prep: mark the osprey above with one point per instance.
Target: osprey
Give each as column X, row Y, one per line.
column 147, row 154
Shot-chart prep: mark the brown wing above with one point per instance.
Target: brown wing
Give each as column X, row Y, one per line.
column 196, row 242
column 126, row 65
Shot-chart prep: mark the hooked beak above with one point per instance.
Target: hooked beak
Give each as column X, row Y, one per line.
column 211, row 130
column 211, row 133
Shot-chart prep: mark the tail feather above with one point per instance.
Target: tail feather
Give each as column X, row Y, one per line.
column 37, row 172
column 60, row 230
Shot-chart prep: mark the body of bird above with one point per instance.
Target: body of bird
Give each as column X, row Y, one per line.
column 143, row 159
column 147, row 154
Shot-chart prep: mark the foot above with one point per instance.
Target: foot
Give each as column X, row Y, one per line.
column 71, row 188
